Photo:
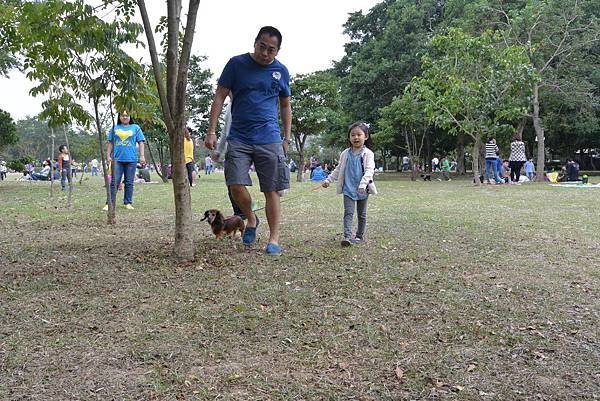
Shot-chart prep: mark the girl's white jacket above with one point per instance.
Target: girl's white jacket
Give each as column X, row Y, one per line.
column 368, row 161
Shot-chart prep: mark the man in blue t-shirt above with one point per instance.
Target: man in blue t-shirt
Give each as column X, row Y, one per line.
column 260, row 88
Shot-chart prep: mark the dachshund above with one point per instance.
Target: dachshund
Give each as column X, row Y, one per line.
column 221, row 225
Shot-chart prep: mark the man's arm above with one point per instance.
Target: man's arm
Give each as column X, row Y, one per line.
column 285, row 106
column 215, row 110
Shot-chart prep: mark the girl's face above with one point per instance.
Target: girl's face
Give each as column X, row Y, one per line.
column 124, row 117
column 65, row 150
column 357, row 138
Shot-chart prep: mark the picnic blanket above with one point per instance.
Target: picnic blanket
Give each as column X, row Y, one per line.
column 576, row 185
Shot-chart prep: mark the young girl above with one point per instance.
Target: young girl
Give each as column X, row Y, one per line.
column 355, row 180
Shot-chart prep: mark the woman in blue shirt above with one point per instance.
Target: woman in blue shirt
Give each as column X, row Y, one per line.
column 123, row 142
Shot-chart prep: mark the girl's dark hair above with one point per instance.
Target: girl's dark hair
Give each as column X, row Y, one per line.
column 61, row 147
column 119, row 119
column 364, row 127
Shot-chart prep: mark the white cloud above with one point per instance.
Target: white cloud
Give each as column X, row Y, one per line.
column 311, row 29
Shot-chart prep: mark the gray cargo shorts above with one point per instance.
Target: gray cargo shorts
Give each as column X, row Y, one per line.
column 269, row 163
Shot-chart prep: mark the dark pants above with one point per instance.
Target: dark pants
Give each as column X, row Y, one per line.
column 190, row 169
column 515, row 170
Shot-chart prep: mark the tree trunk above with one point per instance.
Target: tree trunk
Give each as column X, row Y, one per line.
column 300, row 173
column 52, row 163
column 69, row 174
column 383, row 159
column 461, row 168
column 411, row 155
column 110, row 215
column 172, row 102
column 539, row 132
column 521, row 128
column 159, row 172
column 184, row 240
column 476, row 152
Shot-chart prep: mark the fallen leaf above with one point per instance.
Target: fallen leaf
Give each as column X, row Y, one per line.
column 471, row 367
column 399, row 373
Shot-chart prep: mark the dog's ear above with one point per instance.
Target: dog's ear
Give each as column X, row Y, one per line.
column 219, row 216
column 205, row 216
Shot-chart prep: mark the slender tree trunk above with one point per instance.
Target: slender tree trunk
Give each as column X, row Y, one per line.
column 476, row 152
column 461, row 168
column 159, row 172
column 52, row 171
column 539, row 132
column 184, row 241
column 300, row 173
column 110, row 219
column 521, row 128
column 172, row 101
column 411, row 156
column 384, row 159
column 69, row 173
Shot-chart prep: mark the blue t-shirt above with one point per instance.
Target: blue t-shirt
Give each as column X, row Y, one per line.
column 352, row 176
column 256, row 91
column 125, row 138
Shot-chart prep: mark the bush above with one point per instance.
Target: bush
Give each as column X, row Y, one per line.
column 16, row 165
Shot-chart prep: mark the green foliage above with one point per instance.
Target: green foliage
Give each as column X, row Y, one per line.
column 384, row 53
column 473, row 84
column 317, row 108
column 8, row 130
column 76, row 57
column 199, row 93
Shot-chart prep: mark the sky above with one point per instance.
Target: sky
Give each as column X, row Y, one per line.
column 312, row 38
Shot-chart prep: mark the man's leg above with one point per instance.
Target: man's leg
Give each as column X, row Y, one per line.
column 236, row 209
column 242, row 198
column 273, row 211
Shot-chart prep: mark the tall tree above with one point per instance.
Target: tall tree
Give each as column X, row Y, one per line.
column 8, row 130
column 172, row 94
column 473, row 85
column 76, row 58
column 561, row 39
column 199, row 93
column 317, row 109
column 383, row 53
column 404, row 120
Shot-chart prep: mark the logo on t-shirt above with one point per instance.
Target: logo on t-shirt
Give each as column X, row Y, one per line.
column 277, row 75
column 123, row 136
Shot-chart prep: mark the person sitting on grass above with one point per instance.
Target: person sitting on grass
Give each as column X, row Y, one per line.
column 43, row 174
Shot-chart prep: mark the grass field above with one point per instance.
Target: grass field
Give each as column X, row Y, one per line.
column 462, row 293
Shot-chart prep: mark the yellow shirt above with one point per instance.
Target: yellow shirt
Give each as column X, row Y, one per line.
column 188, row 150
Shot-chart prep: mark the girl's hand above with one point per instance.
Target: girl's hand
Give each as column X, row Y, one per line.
column 361, row 191
column 325, row 184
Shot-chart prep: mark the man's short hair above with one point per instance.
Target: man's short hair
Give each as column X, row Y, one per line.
column 271, row 31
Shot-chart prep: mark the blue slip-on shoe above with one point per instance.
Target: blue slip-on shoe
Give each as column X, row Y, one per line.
column 273, row 250
column 249, row 236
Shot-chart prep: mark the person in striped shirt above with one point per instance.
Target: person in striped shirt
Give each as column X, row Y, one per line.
column 491, row 150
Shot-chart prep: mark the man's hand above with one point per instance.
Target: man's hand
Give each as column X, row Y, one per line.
column 361, row 191
column 210, row 141
column 142, row 159
column 286, row 146
column 215, row 156
column 325, row 184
